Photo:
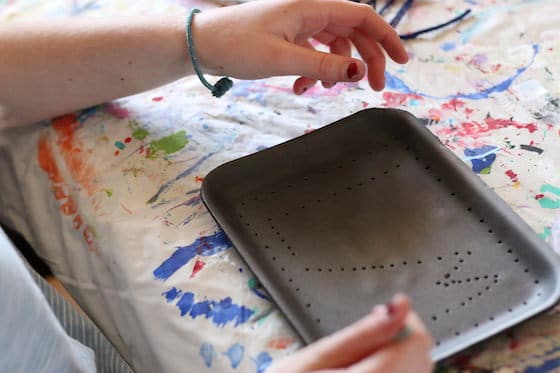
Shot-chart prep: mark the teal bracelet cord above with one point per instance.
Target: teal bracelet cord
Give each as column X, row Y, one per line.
column 222, row 85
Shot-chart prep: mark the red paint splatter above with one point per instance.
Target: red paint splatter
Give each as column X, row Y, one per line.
column 117, row 152
column 157, row 99
column 197, row 267
column 127, row 140
column 477, row 129
column 539, row 196
column 399, row 99
column 512, row 175
column 454, row 105
column 280, row 343
column 198, row 179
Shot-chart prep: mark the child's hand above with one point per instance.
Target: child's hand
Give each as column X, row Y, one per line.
column 368, row 346
column 267, row 38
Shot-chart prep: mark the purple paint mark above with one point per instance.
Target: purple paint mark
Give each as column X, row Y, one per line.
column 394, row 83
column 192, row 202
column 204, row 246
column 185, row 303
column 263, row 361
column 183, row 174
column 172, row 294
column 207, row 353
column 235, row 355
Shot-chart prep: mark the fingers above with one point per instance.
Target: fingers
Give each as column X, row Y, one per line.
column 359, row 339
column 319, row 65
column 411, row 354
column 342, row 47
column 346, row 16
column 303, row 83
column 373, row 57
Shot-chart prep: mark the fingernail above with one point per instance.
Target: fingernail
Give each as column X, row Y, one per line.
column 328, row 85
column 391, row 309
column 352, row 70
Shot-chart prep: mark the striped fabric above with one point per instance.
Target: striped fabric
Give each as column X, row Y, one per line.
column 107, row 359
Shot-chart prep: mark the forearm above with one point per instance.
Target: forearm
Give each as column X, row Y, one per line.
column 50, row 68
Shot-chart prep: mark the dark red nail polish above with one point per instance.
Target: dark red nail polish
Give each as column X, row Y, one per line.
column 304, row 90
column 390, row 309
column 352, row 70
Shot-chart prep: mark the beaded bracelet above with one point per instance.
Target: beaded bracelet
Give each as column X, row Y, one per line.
column 224, row 84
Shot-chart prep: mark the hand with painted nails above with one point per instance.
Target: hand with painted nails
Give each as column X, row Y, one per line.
column 274, row 37
column 374, row 344
column 118, row 56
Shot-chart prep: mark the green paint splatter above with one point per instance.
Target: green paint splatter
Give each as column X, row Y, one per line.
column 140, row 133
column 551, row 189
column 169, row 144
column 547, row 203
column 109, row 192
column 546, row 233
column 120, row 145
column 252, row 283
column 486, row 171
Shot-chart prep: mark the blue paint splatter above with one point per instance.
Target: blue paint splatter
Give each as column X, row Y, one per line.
column 219, row 312
column 449, row 46
column 204, row 246
column 255, row 286
column 207, row 353
column 88, row 113
column 263, row 361
column 171, row 294
column 482, row 158
column 185, row 303
column 394, row 83
column 235, row 355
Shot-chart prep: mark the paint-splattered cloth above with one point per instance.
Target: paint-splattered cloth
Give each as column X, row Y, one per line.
column 110, row 195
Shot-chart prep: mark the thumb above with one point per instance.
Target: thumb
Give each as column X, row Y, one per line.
column 328, row 67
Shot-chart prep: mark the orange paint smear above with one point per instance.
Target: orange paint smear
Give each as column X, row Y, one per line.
column 73, row 157
column 71, row 150
column 280, row 343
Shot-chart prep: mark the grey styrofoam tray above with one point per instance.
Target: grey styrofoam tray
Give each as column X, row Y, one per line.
column 340, row 219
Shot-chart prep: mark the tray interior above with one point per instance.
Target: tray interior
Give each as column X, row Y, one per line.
column 337, row 221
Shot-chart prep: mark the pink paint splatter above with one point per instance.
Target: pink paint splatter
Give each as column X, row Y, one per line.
column 435, row 114
column 116, row 110
column 393, row 99
column 197, row 267
column 157, row 99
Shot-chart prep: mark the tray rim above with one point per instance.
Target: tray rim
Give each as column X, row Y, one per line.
column 495, row 201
